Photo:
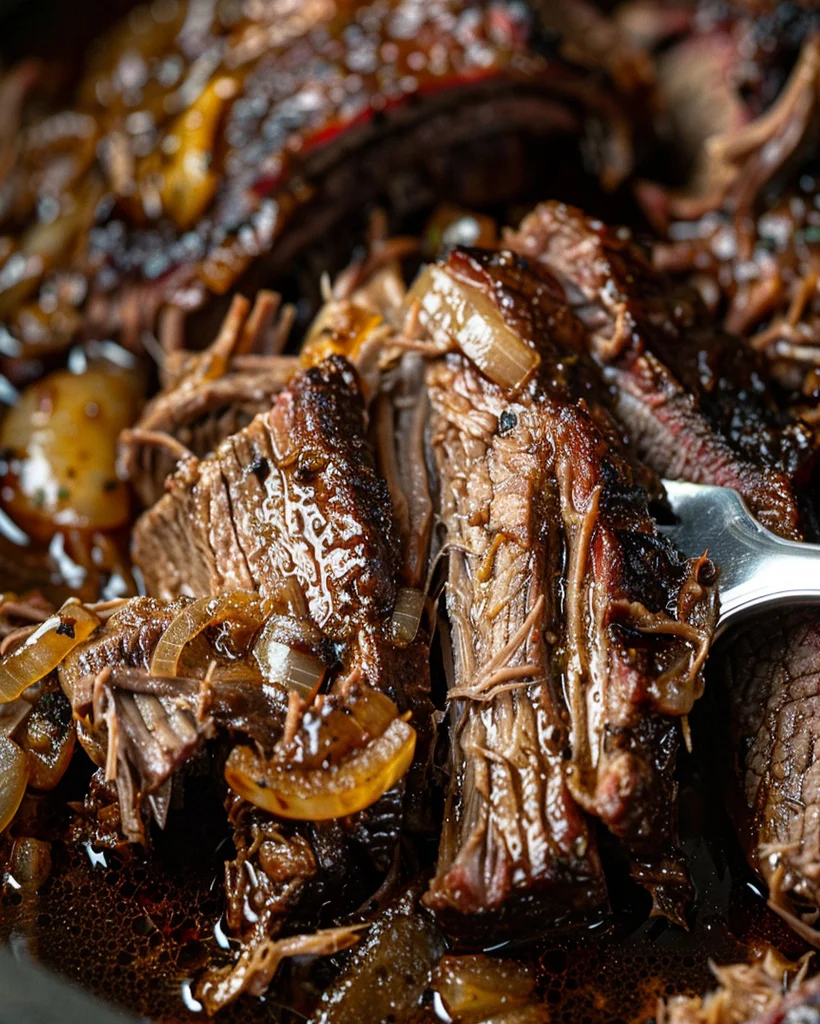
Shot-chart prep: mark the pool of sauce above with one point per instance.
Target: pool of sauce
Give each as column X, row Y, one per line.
column 137, row 931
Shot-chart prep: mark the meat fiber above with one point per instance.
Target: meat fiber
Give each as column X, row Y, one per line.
column 692, row 399
column 772, row 673
column 252, row 134
column 208, row 395
column 577, row 633
column 143, row 728
column 769, row 990
column 295, row 493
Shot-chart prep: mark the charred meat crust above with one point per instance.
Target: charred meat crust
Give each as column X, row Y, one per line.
column 615, row 657
column 295, row 493
column 284, row 119
column 692, row 397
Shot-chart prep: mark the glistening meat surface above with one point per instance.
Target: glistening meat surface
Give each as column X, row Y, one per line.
column 772, row 673
column 245, row 131
column 534, row 487
column 691, row 397
column 295, row 493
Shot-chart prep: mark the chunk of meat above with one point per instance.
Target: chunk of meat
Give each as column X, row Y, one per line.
column 143, row 728
column 691, row 397
column 565, row 606
column 773, row 677
column 513, row 839
column 264, row 883
column 264, row 129
column 294, row 494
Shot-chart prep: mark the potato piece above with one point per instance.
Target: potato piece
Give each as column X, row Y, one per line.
column 60, row 443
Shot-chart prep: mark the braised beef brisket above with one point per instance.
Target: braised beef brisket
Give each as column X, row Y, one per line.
column 772, row 674
column 578, row 634
column 301, row 126
column 692, row 398
column 142, row 727
column 294, row 494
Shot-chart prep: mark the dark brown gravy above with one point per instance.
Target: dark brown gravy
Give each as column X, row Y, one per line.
column 135, row 932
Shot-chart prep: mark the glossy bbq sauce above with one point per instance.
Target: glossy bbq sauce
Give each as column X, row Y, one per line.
column 137, row 931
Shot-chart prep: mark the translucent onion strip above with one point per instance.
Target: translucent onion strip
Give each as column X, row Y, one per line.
column 190, row 622
column 14, row 772
column 319, row 794
column 290, row 668
column 286, row 663
column 466, row 316
column 476, row 988
column 43, row 651
column 406, row 616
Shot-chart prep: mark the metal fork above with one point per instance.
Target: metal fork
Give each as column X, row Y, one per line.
column 759, row 571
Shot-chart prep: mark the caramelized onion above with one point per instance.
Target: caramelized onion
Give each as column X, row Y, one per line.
column 406, row 616
column 14, row 772
column 47, row 646
column 475, row 988
column 191, row 621
column 48, row 737
column 318, row 794
column 346, row 751
column 464, row 315
column 285, row 654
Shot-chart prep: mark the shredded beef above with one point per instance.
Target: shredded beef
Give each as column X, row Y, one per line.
column 533, row 487
column 691, row 397
column 208, row 396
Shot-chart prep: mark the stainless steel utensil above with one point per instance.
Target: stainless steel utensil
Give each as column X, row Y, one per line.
column 759, row 571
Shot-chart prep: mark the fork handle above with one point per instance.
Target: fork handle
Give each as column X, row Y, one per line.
column 758, row 569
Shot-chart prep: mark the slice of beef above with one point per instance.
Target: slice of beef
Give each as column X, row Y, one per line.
column 692, row 398
column 772, row 672
column 294, row 501
column 143, row 728
column 578, row 634
column 515, row 846
column 294, row 494
column 208, row 396
column 300, row 117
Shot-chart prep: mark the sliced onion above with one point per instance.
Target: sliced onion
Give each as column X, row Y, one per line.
column 406, row 616
column 47, row 646
column 191, row 621
column 279, row 654
column 467, row 317
column 290, row 668
column 318, row 794
column 474, row 988
column 48, row 739
column 14, row 772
